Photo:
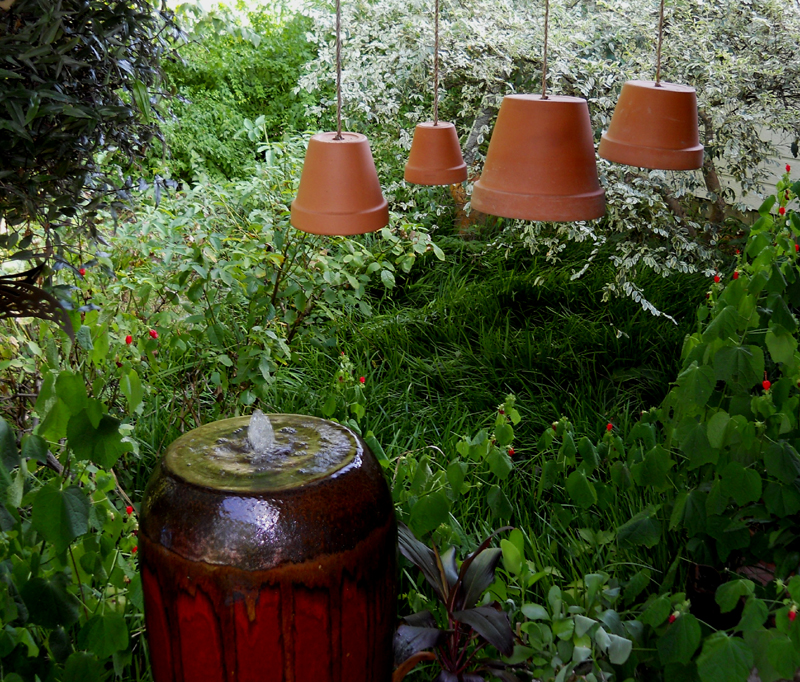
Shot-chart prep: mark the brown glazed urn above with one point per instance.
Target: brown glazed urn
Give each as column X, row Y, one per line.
column 435, row 157
column 541, row 164
column 654, row 126
column 276, row 566
column 339, row 192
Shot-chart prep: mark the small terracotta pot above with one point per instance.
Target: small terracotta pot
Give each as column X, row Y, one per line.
column 654, row 126
column 339, row 192
column 541, row 162
column 435, row 157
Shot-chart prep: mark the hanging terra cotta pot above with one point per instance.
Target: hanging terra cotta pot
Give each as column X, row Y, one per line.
column 339, row 192
column 435, row 157
column 654, row 126
column 540, row 164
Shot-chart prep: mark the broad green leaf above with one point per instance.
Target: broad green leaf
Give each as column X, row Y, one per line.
column 568, row 449
column 131, row 387
column 782, row 462
column 637, row 584
column 743, row 485
column 499, row 503
column 728, row 594
column 504, row 434
column 657, row 612
column 742, row 365
column 678, row 509
column 695, row 384
column 456, row 473
column 653, row 470
column 83, row 667
column 583, row 625
column 34, row 447
column 563, row 628
column 49, row 602
column 784, row 656
column 619, row 649
column 580, row 489
column 499, row 463
column 724, row 659
column 723, row 326
column 754, row 615
column 480, row 574
column 60, row 515
column 102, row 445
column 643, row 529
column 104, row 634
column 589, row 455
column 9, row 455
column 680, row 641
column 535, row 612
column 716, row 429
column 388, row 279
column 781, row 500
column 781, row 346
column 429, row 512
column 329, row 408
column 512, row 559
column 694, row 443
column 72, row 390
column 694, row 514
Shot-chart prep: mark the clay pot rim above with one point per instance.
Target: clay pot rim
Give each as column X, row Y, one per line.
column 663, row 85
column 662, row 150
column 347, row 138
column 550, row 98
column 435, row 126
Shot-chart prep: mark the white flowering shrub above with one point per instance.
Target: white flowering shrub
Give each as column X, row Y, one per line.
column 742, row 56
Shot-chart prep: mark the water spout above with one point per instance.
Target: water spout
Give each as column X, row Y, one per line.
column 260, row 434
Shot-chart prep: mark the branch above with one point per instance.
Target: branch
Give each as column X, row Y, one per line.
column 710, row 175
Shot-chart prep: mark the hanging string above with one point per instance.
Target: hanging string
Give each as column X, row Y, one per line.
column 436, row 66
column 660, row 38
column 544, row 61
column 338, row 71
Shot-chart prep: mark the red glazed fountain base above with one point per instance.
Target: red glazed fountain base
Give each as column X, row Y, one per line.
column 330, row 619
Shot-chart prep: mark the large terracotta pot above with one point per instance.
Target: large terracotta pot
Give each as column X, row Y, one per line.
column 435, row 157
column 339, row 192
column 654, row 126
column 540, row 164
column 269, row 569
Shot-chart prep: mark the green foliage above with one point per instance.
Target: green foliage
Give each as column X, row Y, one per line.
column 233, row 71
column 76, row 80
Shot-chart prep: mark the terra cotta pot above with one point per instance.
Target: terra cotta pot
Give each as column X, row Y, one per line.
column 435, row 157
column 541, row 164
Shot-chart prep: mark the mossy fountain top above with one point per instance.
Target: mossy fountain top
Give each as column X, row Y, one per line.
column 261, row 453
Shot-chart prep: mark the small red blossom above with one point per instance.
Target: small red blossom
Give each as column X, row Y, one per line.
column 510, row 452
column 672, row 617
column 796, row 248
column 736, row 275
column 609, row 426
column 766, row 384
column 129, row 510
column 135, row 549
column 781, row 211
column 362, row 380
column 501, row 411
column 716, row 279
column 118, row 363
column 788, row 168
column 129, row 339
column 554, row 425
column 82, row 272
column 737, row 252
column 792, row 613
column 153, row 334
column 708, row 294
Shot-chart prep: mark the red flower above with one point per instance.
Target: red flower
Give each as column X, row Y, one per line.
column 716, row 279
column 672, row 617
column 82, row 272
column 362, row 380
column 554, row 425
column 766, row 384
column 737, row 252
column 781, row 211
column 510, row 452
column 153, row 334
column 501, row 411
column 129, row 339
column 792, row 613
column 129, row 510
column 796, row 248
column 609, row 426
column 788, row 168
column 135, row 549
column 736, row 275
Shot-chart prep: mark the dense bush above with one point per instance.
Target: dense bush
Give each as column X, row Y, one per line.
column 226, row 73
